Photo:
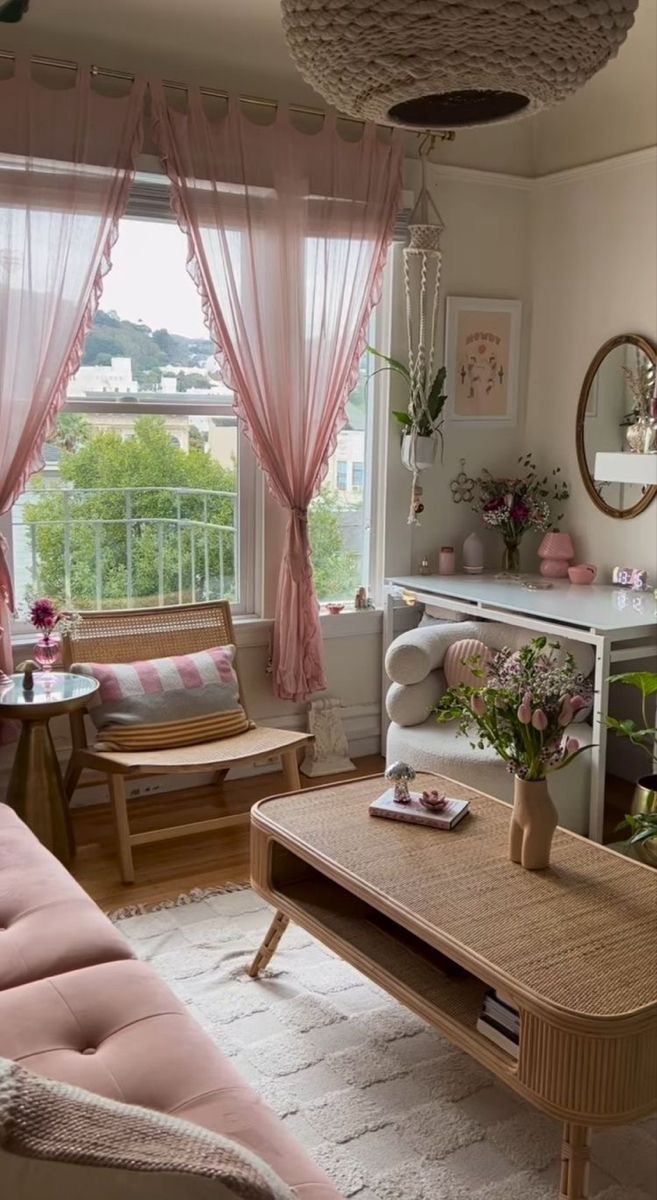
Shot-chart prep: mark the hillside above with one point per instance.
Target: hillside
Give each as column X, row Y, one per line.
column 149, row 349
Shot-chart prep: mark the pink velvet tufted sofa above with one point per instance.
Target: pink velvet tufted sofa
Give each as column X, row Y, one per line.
column 76, row 1006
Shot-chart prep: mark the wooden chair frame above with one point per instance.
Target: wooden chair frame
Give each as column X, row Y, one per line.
column 136, row 634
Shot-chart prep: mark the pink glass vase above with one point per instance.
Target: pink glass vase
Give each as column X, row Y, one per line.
column 46, row 651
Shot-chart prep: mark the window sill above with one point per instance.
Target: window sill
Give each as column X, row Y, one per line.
column 256, row 631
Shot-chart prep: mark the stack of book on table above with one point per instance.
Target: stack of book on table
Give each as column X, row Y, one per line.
column 500, row 1022
column 416, row 814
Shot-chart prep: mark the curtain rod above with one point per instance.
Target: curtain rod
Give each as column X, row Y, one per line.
column 444, row 135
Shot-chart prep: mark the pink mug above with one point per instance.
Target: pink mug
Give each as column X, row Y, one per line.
column 582, row 573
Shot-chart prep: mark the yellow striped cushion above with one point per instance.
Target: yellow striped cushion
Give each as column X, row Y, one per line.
column 168, row 734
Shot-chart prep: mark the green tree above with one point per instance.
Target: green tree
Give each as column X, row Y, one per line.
column 174, row 540
column 191, row 379
column 335, row 569
column 72, row 431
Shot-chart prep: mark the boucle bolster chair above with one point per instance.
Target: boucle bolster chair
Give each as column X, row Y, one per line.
column 136, row 635
column 414, row 663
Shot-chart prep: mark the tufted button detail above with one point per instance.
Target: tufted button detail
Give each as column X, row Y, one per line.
column 89, row 1050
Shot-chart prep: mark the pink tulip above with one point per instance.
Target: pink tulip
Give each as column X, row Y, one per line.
column 527, row 698
column 572, row 745
column 478, row 705
column 539, row 720
column 578, row 703
column 566, row 712
column 524, row 713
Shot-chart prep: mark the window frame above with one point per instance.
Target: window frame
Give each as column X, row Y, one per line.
column 261, row 535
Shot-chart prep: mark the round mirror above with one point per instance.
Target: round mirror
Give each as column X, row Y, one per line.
column 617, row 384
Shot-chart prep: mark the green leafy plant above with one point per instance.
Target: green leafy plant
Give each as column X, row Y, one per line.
column 426, row 396
column 643, row 826
column 642, row 735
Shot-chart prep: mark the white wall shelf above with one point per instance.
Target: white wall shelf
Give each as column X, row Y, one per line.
column 626, row 468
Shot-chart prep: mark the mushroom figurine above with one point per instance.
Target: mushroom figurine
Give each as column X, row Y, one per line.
column 434, row 800
column 401, row 775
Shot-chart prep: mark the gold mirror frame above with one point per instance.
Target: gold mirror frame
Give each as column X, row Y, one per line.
column 621, row 514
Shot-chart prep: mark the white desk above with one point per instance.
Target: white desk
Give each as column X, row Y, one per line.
column 619, row 624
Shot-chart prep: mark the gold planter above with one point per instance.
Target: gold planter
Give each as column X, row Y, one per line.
column 644, row 800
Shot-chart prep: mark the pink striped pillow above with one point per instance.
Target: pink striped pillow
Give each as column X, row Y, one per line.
column 461, row 658
column 166, row 702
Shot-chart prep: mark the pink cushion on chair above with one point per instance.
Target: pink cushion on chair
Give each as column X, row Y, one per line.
column 460, row 659
column 161, row 703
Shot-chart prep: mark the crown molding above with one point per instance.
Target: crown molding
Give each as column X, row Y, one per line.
column 603, row 166
column 473, row 175
column 532, row 183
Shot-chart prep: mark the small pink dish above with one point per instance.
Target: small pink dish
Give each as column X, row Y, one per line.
column 335, row 608
column 582, row 573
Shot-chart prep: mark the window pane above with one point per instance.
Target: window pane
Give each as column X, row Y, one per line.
column 131, row 511
column 338, row 520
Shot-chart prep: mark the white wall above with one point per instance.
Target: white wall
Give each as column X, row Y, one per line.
column 594, row 275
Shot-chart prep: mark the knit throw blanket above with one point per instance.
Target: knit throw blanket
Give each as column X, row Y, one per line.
column 42, row 1119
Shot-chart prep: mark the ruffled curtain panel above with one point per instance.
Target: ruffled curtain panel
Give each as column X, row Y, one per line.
column 287, row 238
column 66, row 164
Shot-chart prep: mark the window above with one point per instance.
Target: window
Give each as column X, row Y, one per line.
column 149, row 492
column 146, row 496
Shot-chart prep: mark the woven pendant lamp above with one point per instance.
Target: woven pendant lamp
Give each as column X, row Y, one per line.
column 446, row 64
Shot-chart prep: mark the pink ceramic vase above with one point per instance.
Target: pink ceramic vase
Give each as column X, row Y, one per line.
column 556, row 552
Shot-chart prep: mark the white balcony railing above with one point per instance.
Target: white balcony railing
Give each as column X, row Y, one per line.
column 126, row 547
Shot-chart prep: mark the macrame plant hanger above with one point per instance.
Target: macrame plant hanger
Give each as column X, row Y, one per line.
column 422, row 263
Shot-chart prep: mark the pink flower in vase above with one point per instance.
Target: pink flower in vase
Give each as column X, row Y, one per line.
column 43, row 614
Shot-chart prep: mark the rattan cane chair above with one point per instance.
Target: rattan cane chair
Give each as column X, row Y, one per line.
column 108, row 637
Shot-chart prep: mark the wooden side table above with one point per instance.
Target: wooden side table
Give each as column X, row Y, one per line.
column 36, row 790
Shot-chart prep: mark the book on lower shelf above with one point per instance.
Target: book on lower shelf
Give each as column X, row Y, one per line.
column 416, row 814
column 499, row 1021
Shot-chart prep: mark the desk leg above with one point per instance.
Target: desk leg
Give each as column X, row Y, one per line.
column 599, row 732
column 36, row 790
column 575, row 1162
column 268, row 947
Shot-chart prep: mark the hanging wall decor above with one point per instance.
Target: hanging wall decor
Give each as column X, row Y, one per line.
column 426, row 401
column 452, row 63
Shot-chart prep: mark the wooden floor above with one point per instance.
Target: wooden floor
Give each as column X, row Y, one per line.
column 165, row 869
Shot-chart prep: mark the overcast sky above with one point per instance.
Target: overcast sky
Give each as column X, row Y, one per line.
column 149, row 281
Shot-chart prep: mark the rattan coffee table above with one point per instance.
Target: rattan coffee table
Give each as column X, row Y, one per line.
column 437, row 918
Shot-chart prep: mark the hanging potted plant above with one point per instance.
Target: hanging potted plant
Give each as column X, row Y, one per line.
column 522, row 704
column 421, row 423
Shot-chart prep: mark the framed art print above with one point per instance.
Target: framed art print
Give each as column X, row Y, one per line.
column 482, row 351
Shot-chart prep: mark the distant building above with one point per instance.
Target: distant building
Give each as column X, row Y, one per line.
column 115, row 378
column 346, row 471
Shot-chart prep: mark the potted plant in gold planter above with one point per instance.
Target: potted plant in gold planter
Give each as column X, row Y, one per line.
column 522, row 704
column 643, row 818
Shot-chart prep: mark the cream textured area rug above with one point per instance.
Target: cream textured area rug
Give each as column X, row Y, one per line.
column 384, row 1104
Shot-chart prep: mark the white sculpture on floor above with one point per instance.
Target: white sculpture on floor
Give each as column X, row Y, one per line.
column 328, row 753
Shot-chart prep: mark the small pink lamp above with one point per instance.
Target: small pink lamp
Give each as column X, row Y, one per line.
column 556, row 551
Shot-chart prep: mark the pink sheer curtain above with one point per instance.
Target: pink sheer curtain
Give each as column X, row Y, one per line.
column 287, row 234
column 66, row 163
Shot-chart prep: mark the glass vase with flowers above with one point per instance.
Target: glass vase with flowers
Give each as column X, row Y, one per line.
column 523, row 703
column 50, row 623
column 517, row 504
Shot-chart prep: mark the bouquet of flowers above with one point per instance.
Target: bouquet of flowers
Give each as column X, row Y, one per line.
column 521, row 705
column 515, row 505
column 43, row 615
